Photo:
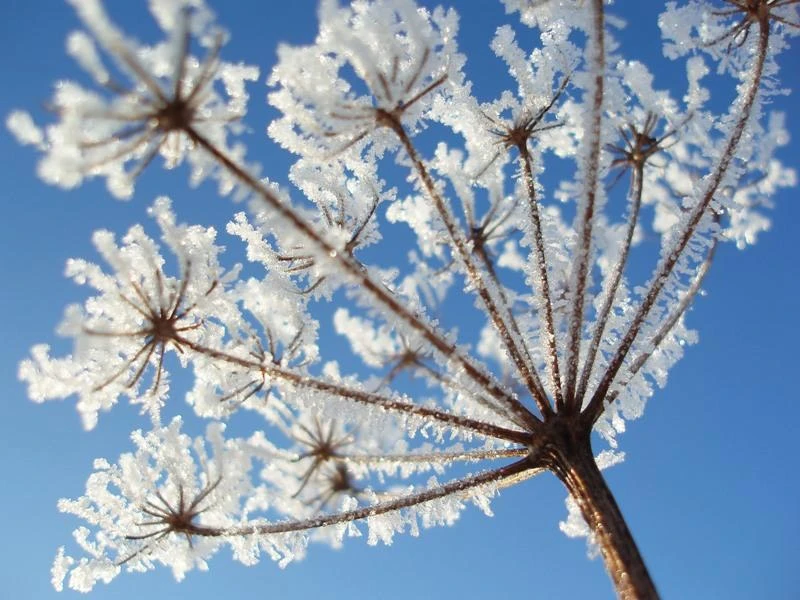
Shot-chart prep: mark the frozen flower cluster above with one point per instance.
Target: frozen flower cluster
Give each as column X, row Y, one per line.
column 147, row 101
column 407, row 416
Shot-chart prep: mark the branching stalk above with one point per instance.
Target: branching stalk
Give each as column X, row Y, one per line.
column 364, row 397
column 474, row 395
column 459, row 486
column 551, row 349
column 526, row 370
column 666, row 267
column 668, row 325
column 436, row 457
column 374, row 289
column 488, row 264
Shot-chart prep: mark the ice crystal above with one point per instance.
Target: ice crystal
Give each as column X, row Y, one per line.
column 419, row 418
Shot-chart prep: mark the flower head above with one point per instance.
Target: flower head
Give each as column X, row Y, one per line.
column 117, row 130
column 321, row 444
column 400, row 54
column 747, row 13
column 165, row 503
column 139, row 314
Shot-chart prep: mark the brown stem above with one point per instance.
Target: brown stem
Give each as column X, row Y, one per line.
column 495, row 477
column 637, row 185
column 362, row 397
column 392, row 405
column 376, row 290
column 661, row 334
column 541, row 266
column 574, row 464
column 664, row 270
column 486, row 260
column 526, row 370
column 435, row 457
column 583, row 259
column 474, row 395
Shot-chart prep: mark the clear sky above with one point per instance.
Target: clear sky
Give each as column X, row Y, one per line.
column 709, row 486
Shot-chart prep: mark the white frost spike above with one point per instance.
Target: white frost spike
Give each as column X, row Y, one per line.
column 60, row 569
column 81, row 47
column 371, row 344
column 21, row 125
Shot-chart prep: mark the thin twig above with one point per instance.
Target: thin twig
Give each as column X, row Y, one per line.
column 586, row 220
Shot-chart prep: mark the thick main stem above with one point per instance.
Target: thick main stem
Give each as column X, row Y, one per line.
column 575, row 466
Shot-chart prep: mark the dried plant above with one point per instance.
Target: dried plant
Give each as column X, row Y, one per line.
column 570, row 344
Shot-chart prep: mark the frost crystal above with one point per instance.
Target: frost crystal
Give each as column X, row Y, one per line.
column 403, row 55
column 140, row 314
column 172, row 98
column 524, row 213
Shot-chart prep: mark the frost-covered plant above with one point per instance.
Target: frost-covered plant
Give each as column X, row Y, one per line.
column 571, row 342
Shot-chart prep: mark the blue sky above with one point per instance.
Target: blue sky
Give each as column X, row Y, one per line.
column 708, row 486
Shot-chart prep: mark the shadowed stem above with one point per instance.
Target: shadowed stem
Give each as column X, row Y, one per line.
column 573, row 463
